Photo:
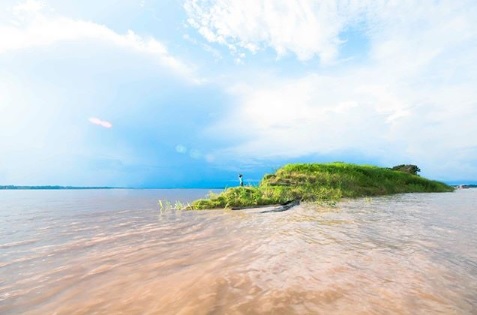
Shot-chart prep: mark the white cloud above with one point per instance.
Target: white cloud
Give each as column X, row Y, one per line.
column 320, row 115
column 305, row 28
column 414, row 100
column 308, row 28
column 100, row 122
column 29, row 6
column 316, row 114
column 27, row 30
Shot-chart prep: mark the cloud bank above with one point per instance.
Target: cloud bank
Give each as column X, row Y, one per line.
column 304, row 28
column 411, row 100
column 309, row 29
column 32, row 26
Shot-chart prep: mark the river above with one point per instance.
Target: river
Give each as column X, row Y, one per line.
column 117, row 252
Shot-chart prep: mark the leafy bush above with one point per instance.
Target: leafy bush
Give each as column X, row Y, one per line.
column 407, row 168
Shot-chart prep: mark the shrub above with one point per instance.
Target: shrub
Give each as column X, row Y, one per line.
column 407, row 168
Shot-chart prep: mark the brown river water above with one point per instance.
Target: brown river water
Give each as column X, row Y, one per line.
column 116, row 252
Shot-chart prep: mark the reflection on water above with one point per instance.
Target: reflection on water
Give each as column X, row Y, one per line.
column 115, row 252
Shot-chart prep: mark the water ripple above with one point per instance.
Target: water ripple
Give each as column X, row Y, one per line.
column 405, row 254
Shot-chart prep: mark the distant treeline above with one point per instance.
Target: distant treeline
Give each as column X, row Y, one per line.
column 50, row 187
column 466, row 186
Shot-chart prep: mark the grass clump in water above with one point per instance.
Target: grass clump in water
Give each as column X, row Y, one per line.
column 321, row 183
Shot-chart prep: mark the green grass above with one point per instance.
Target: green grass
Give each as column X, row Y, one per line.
column 326, row 183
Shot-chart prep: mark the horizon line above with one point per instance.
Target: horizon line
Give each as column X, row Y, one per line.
column 60, row 187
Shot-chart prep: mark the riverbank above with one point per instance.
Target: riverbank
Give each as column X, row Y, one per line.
column 326, row 183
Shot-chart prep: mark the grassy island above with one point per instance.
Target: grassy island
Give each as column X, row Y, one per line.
column 321, row 183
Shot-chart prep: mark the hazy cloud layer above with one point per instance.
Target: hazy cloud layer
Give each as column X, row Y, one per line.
column 412, row 100
column 31, row 25
column 308, row 28
column 304, row 28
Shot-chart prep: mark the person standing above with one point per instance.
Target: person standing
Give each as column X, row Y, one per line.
column 241, row 180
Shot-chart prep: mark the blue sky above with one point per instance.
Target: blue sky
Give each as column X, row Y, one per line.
column 190, row 93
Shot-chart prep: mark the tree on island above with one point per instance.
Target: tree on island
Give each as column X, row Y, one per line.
column 407, row 168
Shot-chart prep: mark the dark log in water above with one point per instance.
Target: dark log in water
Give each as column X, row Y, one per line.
column 273, row 208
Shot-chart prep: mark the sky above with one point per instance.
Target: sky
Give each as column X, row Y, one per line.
column 190, row 93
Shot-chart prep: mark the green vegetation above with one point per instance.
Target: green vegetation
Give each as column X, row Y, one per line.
column 326, row 183
column 178, row 205
column 407, row 168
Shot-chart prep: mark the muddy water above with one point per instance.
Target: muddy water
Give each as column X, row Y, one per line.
column 115, row 252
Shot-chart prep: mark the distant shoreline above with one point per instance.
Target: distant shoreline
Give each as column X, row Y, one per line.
column 465, row 186
column 55, row 187
column 13, row 187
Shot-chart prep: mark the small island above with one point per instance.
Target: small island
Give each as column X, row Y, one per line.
column 328, row 183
